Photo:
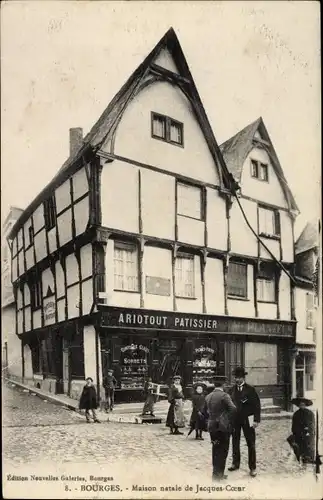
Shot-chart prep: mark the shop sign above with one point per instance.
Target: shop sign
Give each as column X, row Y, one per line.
column 135, row 347
column 49, row 310
column 204, row 350
column 118, row 317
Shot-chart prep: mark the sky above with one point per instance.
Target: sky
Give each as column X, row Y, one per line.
column 62, row 62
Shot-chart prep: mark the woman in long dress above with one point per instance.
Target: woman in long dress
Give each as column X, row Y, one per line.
column 175, row 417
column 303, row 431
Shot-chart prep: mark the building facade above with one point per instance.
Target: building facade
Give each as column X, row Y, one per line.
column 141, row 255
column 306, row 301
column 10, row 342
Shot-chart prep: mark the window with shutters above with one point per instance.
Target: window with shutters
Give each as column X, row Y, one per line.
column 269, row 222
column 184, row 276
column 167, row 129
column 189, row 201
column 237, row 280
column 266, row 283
column 126, row 267
column 310, row 309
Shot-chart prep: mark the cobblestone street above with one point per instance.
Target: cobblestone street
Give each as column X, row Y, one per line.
column 38, row 432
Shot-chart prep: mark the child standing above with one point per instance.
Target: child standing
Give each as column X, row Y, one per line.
column 198, row 420
column 88, row 401
column 150, row 398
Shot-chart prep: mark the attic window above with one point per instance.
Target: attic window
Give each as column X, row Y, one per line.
column 166, row 129
column 259, row 170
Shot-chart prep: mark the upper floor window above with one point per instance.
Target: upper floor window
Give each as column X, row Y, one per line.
column 167, row 129
column 237, row 280
column 310, row 310
column 269, row 222
column 35, row 294
column 259, row 170
column 30, row 235
column 189, row 201
column 266, row 283
column 49, row 213
column 184, row 276
column 126, row 267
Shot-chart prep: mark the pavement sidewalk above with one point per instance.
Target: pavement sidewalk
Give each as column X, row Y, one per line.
column 123, row 413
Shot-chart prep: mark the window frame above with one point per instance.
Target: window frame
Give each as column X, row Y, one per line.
column 121, row 245
column 181, row 295
column 35, row 293
column 202, row 197
column 309, row 312
column 276, row 222
column 259, row 165
column 30, row 235
column 49, row 206
column 168, row 123
column 267, row 273
column 232, row 295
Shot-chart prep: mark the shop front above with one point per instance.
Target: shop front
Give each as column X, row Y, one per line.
column 146, row 343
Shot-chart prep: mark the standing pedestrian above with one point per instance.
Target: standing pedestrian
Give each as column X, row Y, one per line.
column 175, row 416
column 88, row 401
column 247, row 418
column 150, row 398
column 198, row 420
column 220, row 410
column 109, row 384
column 302, row 439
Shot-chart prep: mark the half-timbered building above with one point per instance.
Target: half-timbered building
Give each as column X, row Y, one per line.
column 137, row 256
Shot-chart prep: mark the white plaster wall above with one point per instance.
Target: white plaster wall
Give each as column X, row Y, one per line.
column 72, row 269
column 28, row 362
column 64, row 226
column 81, row 215
column 216, row 221
column 267, row 192
column 87, row 296
column 243, row 240
column 40, row 245
column 52, row 240
column 80, row 183
column 158, row 204
column 244, row 308
column 284, row 297
column 166, row 60
column 21, row 263
column 120, row 196
column 303, row 335
column 61, row 309
column 193, row 305
column 20, row 322
column 73, row 298
column 20, row 240
column 37, row 319
column 27, row 319
column 30, row 261
column 14, row 268
column 267, row 311
column 190, row 230
column 60, row 285
column 214, row 286
column 286, row 225
column 133, row 136
column 273, row 246
column 26, row 294
column 47, row 281
column 63, row 196
column 86, row 261
column 89, row 352
column 158, row 263
column 8, row 334
column 38, row 218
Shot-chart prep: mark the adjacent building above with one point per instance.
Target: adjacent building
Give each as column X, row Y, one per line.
column 10, row 342
column 154, row 251
column 306, row 262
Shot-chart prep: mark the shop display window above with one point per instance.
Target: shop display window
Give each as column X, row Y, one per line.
column 134, row 363
column 205, row 363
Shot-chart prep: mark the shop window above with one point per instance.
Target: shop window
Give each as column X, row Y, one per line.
column 237, row 280
column 189, row 201
column 184, row 276
column 205, row 365
column 309, row 373
column 126, row 267
column 310, row 310
column 171, row 355
column 269, row 222
column 134, row 363
column 76, row 359
column 167, row 129
column 266, row 283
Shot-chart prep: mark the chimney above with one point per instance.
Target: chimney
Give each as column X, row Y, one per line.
column 76, row 139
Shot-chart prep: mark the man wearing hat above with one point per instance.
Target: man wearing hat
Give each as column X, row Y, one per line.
column 303, row 431
column 247, row 418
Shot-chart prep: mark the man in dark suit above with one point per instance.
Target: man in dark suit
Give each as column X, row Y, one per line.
column 219, row 410
column 247, row 418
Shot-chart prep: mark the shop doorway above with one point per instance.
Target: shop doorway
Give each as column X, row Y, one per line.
column 171, row 360
column 300, row 369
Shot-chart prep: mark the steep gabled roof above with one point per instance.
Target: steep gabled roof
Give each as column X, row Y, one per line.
column 101, row 129
column 236, row 149
column 309, row 238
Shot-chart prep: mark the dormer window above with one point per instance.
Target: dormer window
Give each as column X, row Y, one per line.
column 166, row 129
column 259, row 170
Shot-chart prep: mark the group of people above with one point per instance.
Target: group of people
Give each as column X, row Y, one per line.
column 223, row 413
